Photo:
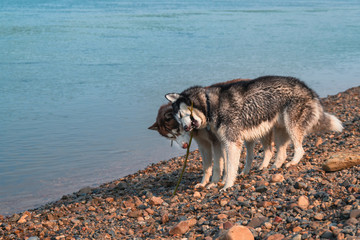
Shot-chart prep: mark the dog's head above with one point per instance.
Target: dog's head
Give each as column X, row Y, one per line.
column 187, row 110
column 167, row 126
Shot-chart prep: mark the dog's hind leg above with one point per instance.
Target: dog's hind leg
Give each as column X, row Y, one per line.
column 249, row 157
column 205, row 149
column 223, row 151
column 297, row 139
column 266, row 141
column 233, row 151
column 299, row 119
column 281, row 141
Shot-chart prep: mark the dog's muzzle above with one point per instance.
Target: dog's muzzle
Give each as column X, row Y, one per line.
column 188, row 128
column 194, row 125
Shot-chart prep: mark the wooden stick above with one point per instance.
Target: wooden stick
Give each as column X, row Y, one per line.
column 183, row 169
column 187, row 153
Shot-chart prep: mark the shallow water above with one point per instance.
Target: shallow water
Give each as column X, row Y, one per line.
column 81, row 82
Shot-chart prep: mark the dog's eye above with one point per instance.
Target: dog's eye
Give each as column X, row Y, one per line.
column 180, row 115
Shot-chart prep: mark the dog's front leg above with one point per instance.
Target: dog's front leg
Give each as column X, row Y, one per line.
column 206, row 155
column 218, row 163
column 233, row 151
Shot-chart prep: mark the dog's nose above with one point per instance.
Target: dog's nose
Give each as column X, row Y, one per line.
column 186, row 128
column 185, row 145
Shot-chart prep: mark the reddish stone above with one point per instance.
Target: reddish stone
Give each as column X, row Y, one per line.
column 180, row 228
column 237, row 233
column 156, row 201
column 277, row 219
column 276, row 237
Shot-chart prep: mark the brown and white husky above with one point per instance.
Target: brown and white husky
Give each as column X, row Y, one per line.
column 209, row 145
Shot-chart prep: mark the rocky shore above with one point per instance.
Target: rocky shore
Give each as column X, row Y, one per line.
column 301, row 202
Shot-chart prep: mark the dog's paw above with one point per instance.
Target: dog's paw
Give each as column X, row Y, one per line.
column 245, row 172
column 263, row 166
column 211, row 185
column 275, row 166
column 289, row 164
column 200, row 185
column 224, row 189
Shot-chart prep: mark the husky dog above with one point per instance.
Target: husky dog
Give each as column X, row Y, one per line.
column 250, row 110
column 209, row 146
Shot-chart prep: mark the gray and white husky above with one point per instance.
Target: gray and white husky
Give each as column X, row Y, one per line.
column 209, row 146
column 250, row 110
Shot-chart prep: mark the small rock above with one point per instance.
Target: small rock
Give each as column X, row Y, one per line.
column 150, row 211
column 121, row 186
column 276, row 237
column 277, row 219
column 297, row 229
column 268, row 225
column 300, row 185
column 221, row 216
column 135, row 214
column 137, row 201
column 303, row 202
column 319, row 216
column 75, row 221
column 49, row 224
column 24, row 217
column 227, row 225
column 164, row 217
column 264, row 204
column 223, row 202
column 296, row 237
column 128, row 204
column 327, row 235
column 355, row 213
column 277, row 178
column 15, row 218
column 191, row 222
column 257, row 221
column 91, row 208
column 261, row 189
column 180, row 228
column 197, row 195
column 85, row 190
column 156, row 200
column 237, row 233
column 319, row 141
column 351, row 221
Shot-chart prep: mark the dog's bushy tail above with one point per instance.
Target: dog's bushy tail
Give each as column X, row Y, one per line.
column 328, row 122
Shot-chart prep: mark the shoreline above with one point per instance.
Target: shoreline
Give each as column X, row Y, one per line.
column 141, row 205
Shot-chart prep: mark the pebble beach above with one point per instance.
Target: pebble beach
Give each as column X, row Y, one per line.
column 300, row 202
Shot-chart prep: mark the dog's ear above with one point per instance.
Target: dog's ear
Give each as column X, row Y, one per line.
column 168, row 116
column 172, row 97
column 155, row 127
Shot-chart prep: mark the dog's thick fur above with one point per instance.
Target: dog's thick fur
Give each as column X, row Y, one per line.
column 249, row 110
column 209, row 146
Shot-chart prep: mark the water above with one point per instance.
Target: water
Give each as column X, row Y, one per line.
column 80, row 81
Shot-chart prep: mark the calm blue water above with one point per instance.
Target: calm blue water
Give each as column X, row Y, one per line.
column 80, row 81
